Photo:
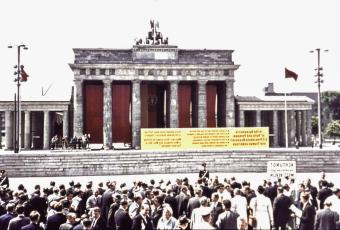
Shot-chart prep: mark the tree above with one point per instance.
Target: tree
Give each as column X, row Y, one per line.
column 315, row 125
column 333, row 129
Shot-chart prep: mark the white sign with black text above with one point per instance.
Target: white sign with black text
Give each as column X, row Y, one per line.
column 281, row 169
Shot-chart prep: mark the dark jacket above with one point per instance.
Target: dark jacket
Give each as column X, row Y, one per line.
column 281, row 211
column 227, row 220
column 138, row 220
column 54, row 221
column 32, row 226
column 122, row 219
column 100, row 224
column 322, row 196
column 4, row 220
column 326, row 220
column 18, row 222
column 307, row 218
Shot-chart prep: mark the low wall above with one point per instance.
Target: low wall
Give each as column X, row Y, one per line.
column 82, row 163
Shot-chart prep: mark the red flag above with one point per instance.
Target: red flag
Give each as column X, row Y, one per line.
column 23, row 74
column 290, row 74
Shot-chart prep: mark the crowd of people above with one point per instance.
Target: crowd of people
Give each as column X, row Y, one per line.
column 82, row 142
column 207, row 203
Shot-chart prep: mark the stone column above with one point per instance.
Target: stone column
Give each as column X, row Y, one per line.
column 303, row 127
column 258, row 118
column 230, row 104
column 202, row 104
column 298, row 126
column 309, row 126
column 292, row 127
column 173, row 104
column 27, row 139
column 65, row 123
column 107, row 114
column 136, row 114
column 241, row 118
column 275, row 129
column 78, row 122
column 9, row 129
column 46, row 129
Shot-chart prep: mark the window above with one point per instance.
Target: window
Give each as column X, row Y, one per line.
column 102, row 71
column 92, row 71
column 141, row 72
column 112, row 71
column 226, row 72
column 169, row 72
column 151, row 72
column 82, row 71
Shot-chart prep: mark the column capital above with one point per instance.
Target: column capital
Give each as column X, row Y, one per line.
column 202, row 82
column 107, row 81
column 78, row 80
column 136, row 81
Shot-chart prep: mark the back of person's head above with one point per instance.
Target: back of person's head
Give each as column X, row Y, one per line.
column 10, row 207
column 20, row 209
column 34, row 216
column 227, row 204
column 87, row 223
column 279, row 189
column 123, row 202
column 21, row 187
column 58, row 207
column 204, row 201
column 237, row 191
column 260, row 189
column 52, row 183
column 182, row 220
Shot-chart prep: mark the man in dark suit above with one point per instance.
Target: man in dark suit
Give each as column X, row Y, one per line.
column 182, row 201
column 122, row 217
column 324, row 193
column 142, row 220
column 216, row 208
column 326, row 218
column 308, row 213
column 38, row 203
column 5, row 218
column 98, row 222
column 19, row 221
column 171, row 200
column 281, row 211
column 270, row 191
column 34, row 225
column 227, row 219
column 194, row 202
column 107, row 199
column 53, row 222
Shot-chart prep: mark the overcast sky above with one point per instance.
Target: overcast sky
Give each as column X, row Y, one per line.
column 266, row 37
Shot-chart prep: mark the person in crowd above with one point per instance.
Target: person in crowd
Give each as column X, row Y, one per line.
column 182, row 200
column 142, row 220
column 107, row 198
column 85, row 224
column 167, row 221
column 194, row 202
column 70, row 222
column 239, row 204
column 4, row 181
column 326, row 218
column 19, row 221
column 98, row 222
column 281, row 211
column 196, row 216
column 206, row 219
column 307, row 217
column 53, row 222
column 335, row 200
column 204, row 172
column 34, row 225
column 171, row 200
column 228, row 218
column 5, row 218
column 134, row 208
column 122, row 217
column 216, row 208
column 324, row 192
column 157, row 212
column 262, row 210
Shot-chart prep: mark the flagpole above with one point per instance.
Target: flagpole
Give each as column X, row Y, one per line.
column 286, row 120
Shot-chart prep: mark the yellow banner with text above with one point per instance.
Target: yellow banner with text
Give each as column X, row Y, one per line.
column 204, row 138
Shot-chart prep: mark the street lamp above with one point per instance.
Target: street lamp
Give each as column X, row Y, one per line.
column 17, row 118
column 319, row 75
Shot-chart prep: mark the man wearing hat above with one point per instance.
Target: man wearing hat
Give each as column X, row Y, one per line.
column 203, row 173
column 206, row 218
column 326, row 218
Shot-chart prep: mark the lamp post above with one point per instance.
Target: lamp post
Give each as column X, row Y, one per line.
column 17, row 117
column 319, row 75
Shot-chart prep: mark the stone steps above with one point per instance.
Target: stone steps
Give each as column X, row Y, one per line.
column 77, row 163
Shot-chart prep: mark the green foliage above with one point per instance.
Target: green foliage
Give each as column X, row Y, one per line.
column 331, row 103
column 315, row 125
column 333, row 129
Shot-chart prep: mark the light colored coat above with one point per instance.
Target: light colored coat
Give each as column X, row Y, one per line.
column 262, row 210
